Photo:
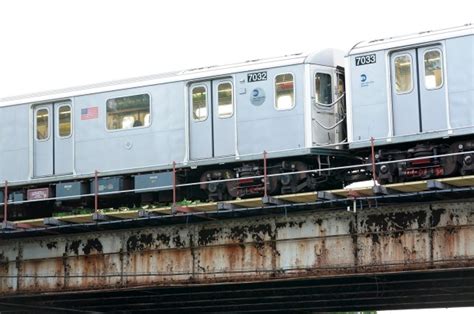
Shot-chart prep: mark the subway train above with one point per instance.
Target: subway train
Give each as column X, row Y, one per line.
column 408, row 98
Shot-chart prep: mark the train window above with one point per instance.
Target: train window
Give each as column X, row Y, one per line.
column 64, row 118
column 433, row 69
column 323, row 88
column 128, row 112
column 199, row 103
column 341, row 85
column 42, row 124
column 403, row 74
column 284, row 91
column 225, row 105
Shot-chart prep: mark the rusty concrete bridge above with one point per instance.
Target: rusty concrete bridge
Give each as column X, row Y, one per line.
column 415, row 252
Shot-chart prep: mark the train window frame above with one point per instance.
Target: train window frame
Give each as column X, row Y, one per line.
column 293, row 105
column 36, row 124
column 132, row 128
column 219, row 115
column 61, row 105
column 408, row 91
column 441, row 68
column 330, row 90
column 192, row 102
column 340, row 81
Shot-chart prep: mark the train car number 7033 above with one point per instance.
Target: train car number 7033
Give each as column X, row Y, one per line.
column 363, row 60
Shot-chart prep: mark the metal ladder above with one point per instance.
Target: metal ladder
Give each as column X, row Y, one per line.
column 324, row 162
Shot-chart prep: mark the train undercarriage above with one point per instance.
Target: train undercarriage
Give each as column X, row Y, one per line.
column 282, row 177
column 250, row 179
column 424, row 161
column 207, row 183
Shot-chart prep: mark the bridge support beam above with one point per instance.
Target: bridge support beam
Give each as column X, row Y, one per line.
column 311, row 243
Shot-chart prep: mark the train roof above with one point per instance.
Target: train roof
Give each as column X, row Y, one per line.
column 411, row 39
column 327, row 57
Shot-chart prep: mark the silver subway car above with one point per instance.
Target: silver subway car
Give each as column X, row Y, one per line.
column 214, row 123
column 416, row 91
column 409, row 98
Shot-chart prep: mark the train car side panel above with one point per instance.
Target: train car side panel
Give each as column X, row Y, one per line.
column 370, row 115
column 460, row 77
column 14, row 143
column 270, row 112
column 160, row 142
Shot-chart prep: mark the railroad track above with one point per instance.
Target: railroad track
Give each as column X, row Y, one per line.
column 454, row 184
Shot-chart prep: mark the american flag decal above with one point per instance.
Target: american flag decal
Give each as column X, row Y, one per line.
column 89, row 113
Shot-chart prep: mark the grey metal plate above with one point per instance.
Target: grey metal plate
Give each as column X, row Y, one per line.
column 162, row 181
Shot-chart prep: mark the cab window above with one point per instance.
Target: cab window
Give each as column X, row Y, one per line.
column 128, row 112
column 341, row 85
column 323, row 88
column 284, row 91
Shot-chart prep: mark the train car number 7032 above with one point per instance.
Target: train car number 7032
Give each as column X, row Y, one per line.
column 257, row 76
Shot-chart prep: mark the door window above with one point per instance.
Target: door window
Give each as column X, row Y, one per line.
column 225, row 105
column 433, row 69
column 64, row 118
column 42, row 124
column 199, row 103
column 403, row 74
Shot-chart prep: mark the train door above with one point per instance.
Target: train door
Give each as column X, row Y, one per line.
column 405, row 97
column 43, row 141
column 418, row 96
column 223, row 117
column 432, row 94
column 52, row 138
column 323, row 111
column 212, row 119
column 63, row 144
column 200, row 124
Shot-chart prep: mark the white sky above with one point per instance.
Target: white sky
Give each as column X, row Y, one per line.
column 52, row 44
